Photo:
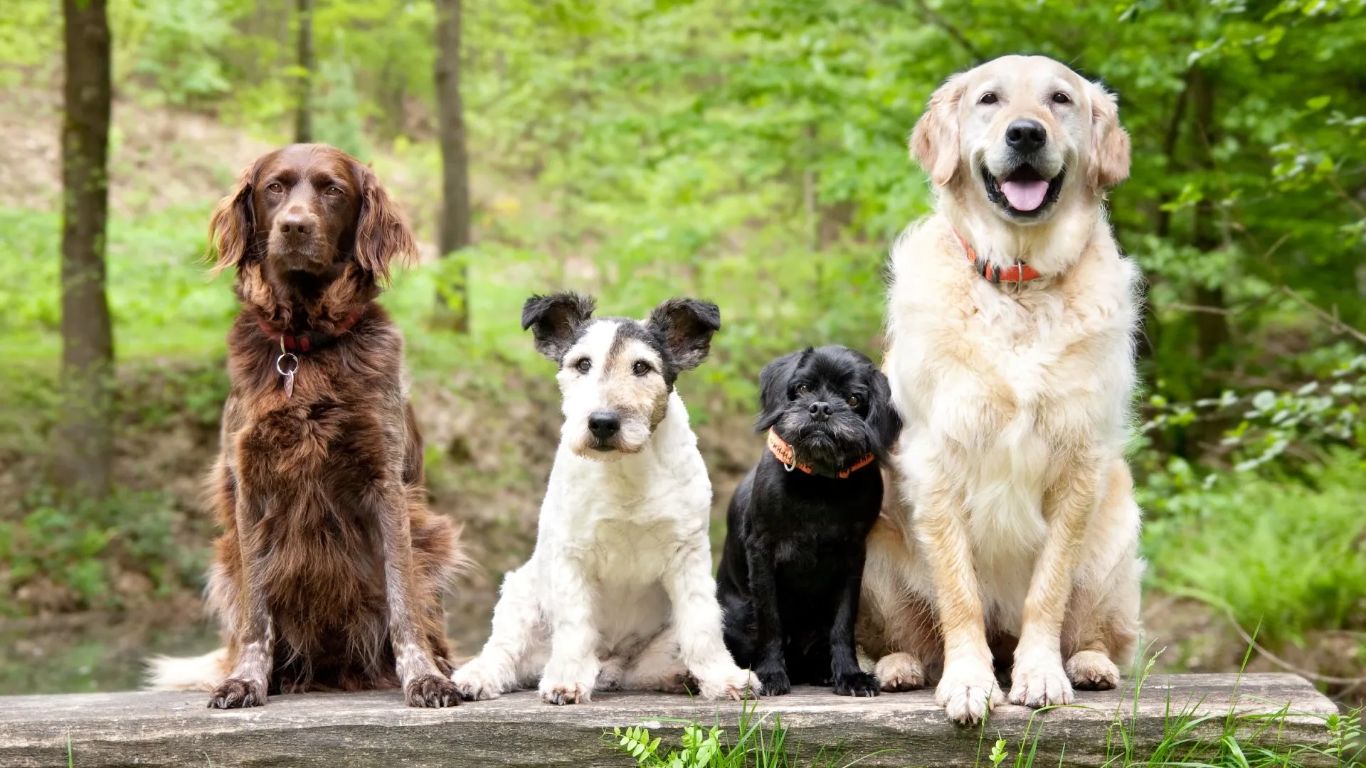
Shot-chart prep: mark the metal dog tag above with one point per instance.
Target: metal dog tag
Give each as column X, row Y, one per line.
column 287, row 364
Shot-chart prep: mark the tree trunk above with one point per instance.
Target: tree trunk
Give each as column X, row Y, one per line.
column 83, row 436
column 1212, row 332
column 308, row 64
column 454, row 221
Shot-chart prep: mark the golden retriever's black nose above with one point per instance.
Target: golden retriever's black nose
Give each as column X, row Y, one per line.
column 603, row 424
column 1025, row 136
column 820, row 411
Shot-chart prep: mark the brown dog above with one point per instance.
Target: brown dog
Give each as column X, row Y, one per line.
column 330, row 570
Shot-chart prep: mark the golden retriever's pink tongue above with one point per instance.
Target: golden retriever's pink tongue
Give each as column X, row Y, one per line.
column 1024, row 195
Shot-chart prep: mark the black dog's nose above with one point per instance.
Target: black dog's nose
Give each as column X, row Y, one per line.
column 820, row 411
column 603, row 424
column 1026, row 135
column 296, row 224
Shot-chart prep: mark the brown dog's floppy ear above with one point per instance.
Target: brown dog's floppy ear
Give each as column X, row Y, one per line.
column 1108, row 164
column 555, row 321
column 382, row 235
column 934, row 141
column 232, row 228
column 685, row 326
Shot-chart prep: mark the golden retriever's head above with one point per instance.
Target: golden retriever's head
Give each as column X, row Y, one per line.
column 1025, row 132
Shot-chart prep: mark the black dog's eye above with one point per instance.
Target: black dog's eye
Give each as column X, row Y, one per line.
column 853, row 401
column 275, row 187
column 1061, row 98
column 987, row 98
column 802, row 389
column 640, row 368
column 583, row 366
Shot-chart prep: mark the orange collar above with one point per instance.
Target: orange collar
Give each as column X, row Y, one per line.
column 1017, row 273
column 788, row 458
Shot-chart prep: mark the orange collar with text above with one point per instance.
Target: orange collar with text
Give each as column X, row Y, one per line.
column 788, row 458
column 1019, row 272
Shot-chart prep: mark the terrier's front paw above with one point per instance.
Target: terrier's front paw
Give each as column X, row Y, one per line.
column 900, row 672
column 729, row 682
column 1092, row 671
column 774, row 679
column 967, row 692
column 565, row 692
column 431, row 691
column 236, row 692
column 1039, row 682
column 476, row 682
column 856, row 684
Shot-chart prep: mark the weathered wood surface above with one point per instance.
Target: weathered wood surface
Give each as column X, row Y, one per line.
column 375, row 729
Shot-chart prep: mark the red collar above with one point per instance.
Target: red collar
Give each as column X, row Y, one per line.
column 309, row 340
column 1019, row 272
column 788, row 458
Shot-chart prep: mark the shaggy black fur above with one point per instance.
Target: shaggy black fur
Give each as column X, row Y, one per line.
column 793, row 558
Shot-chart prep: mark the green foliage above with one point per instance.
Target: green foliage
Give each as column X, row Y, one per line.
column 758, row 744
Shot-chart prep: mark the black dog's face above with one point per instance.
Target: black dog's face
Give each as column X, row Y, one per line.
column 831, row 404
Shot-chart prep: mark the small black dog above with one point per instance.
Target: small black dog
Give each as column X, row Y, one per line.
column 793, row 560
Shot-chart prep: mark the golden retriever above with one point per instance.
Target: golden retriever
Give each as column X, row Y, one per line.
column 1011, row 358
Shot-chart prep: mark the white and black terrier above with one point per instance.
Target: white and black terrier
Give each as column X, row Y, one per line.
column 793, row 561
column 618, row 592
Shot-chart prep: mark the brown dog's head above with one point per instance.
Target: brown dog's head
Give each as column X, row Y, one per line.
column 304, row 213
column 1025, row 131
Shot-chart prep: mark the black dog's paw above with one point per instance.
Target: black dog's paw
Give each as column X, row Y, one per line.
column 431, row 691
column 856, row 684
column 774, row 680
column 235, row 693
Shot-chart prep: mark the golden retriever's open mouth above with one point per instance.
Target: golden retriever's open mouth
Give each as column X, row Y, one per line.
column 1024, row 192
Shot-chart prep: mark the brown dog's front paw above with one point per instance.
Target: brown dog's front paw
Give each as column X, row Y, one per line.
column 431, row 691
column 236, row 692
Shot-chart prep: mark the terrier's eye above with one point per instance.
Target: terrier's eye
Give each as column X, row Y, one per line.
column 987, row 98
column 853, row 401
column 640, row 368
column 1061, row 98
column 275, row 187
column 583, row 366
column 802, row 389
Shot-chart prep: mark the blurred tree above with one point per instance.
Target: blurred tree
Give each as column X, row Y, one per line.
column 83, row 439
column 454, row 221
column 308, row 64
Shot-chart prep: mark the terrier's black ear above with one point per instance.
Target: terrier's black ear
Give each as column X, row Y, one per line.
column 685, row 327
column 555, row 321
column 774, row 382
column 882, row 415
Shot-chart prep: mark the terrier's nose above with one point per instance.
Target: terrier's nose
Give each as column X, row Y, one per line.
column 296, row 224
column 603, row 424
column 820, row 411
column 1026, row 136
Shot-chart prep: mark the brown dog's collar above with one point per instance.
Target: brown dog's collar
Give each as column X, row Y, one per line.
column 786, row 456
column 309, row 340
column 1019, row 272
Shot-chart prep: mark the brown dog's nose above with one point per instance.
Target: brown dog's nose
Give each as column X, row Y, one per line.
column 1026, row 136
column 296, row 224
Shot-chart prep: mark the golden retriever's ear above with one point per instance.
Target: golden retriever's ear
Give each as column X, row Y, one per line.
column 382, row 236
column 232, row 229
column 934, row 141
column 1108, row 164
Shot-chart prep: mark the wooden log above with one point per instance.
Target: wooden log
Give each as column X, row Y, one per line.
column 375, row 729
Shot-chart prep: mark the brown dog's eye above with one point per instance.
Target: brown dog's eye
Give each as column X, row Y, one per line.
column 583, row 366
column 640, row 368
column 1061, row 98
column 275, row 187
column 853, row 401
column 987, row 98
column 334, row 190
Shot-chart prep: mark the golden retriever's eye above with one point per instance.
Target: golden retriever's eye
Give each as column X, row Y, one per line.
column 640, row 368
column 1061, row 98
column 802, row 389
column 987, row 98
column 583, row 366
column 853, row 401
column 275, row 187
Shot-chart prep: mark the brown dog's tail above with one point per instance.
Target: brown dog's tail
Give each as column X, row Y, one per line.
column 194, row 673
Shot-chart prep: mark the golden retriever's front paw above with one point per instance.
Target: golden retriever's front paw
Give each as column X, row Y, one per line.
column 236, row 692
column 1040, row 682
column 899, row 672
column 432, row 691
column 1092, row 671
column 565, row 692
column 729, row 682
column 968, row 693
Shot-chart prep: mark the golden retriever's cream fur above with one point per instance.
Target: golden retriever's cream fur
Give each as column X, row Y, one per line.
column 1018, row 519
